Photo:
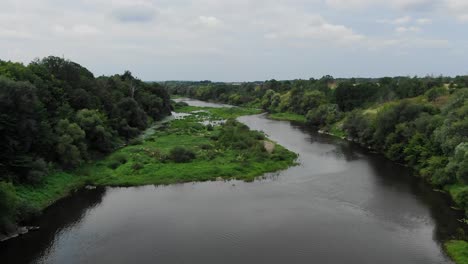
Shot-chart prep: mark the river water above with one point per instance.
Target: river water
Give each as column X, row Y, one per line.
column 340, row 205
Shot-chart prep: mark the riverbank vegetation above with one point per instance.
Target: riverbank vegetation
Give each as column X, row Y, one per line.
column 56, row 115
column 182, row 150
column 419, row 122
column 61, row 129
column 458, row 251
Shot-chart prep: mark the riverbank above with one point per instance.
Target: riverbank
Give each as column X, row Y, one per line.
column 187, row 149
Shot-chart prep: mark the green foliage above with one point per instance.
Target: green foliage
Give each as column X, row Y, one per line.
column 181, row 155
column 458, row 164
column 8, row 206
column 99, row 135
column 435, row 93
column 324, row 115
column 420, row 122
column 360, row 127
column 236, row 135
column 71, row 147
column 458, row 251
column 55, row 111
column 288, row 117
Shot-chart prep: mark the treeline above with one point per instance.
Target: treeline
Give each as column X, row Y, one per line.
column 420, row 122
column 54, row 114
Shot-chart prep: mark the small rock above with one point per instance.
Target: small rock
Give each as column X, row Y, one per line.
column 219, row 179
column 22, row 230
column 33, row 228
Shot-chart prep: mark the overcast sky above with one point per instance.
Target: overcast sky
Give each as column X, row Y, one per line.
column 241, row 40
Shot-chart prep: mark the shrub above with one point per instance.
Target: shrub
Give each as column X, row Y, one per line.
column 181, row 155
column 462, row 199
column 135, row 141
column 137, row 166
column 8, row 205
column 39, row 169
column 114, row 164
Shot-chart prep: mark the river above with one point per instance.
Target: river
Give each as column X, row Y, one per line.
column 340, row 205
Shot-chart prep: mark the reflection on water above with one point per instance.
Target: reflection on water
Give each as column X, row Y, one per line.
column 340, row 205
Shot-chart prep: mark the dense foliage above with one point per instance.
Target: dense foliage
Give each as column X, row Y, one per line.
column 420, row 122
column 54, row 114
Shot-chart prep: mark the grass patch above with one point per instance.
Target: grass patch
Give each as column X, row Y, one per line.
column 288, row 117
column 210, row 113
column 457, row 250
column 337, row 130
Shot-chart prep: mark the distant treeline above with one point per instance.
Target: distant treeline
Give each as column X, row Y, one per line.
column 420, row 122
column 55, row 114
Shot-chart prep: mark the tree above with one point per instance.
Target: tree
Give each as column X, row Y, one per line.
column 71, row 148
column 99, row 135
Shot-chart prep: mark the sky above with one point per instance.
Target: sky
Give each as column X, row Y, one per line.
column 241, row 40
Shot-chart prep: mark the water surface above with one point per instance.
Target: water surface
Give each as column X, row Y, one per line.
column 340, row 205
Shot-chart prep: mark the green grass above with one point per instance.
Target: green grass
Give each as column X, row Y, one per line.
column 288, row 117
column 337, row 130
column 146, row 162
column 457, row 250
column 211, row 113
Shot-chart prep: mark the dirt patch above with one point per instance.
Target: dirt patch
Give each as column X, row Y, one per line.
column 269, row 146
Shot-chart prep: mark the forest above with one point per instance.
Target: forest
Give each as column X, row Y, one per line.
column 56, row 115
column 419, row 122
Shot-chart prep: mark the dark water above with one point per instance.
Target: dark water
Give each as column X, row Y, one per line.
column 340, row 205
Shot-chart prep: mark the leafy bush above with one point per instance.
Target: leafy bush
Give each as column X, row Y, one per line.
column 462, row 198
column 137, row 166
column 38, row 170
column 135, row 141
column 8, row 206
column 181, row 155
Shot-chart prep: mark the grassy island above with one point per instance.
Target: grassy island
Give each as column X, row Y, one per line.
column 192, row 148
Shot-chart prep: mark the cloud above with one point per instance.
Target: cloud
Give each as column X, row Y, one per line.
column 294, row 25
column 209, row 21
column 84, row 29
column 413, row 5
column 405, row 5
column 423, row 21
column 459, row 8
column 14, row 34
column 168, row 37
column 411, row 29
column 396, row 21
column 134, row 13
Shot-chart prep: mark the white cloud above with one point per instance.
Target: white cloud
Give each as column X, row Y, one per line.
column 209, row 21
column 396, row 21
column 459, row 9
column 134, row 14
column 423, row 21
column 406, row 5
column 84, row 29
column 14, row 34
column 411, row 29
column 146, row 32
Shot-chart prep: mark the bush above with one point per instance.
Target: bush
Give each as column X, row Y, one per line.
column 120, row 158
column 135, row 141
column 181, row 155
column 462, row 199
column 137, row 166
column 117, row 160
column 39, row 169
column 113, row 164
column 8, row 206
